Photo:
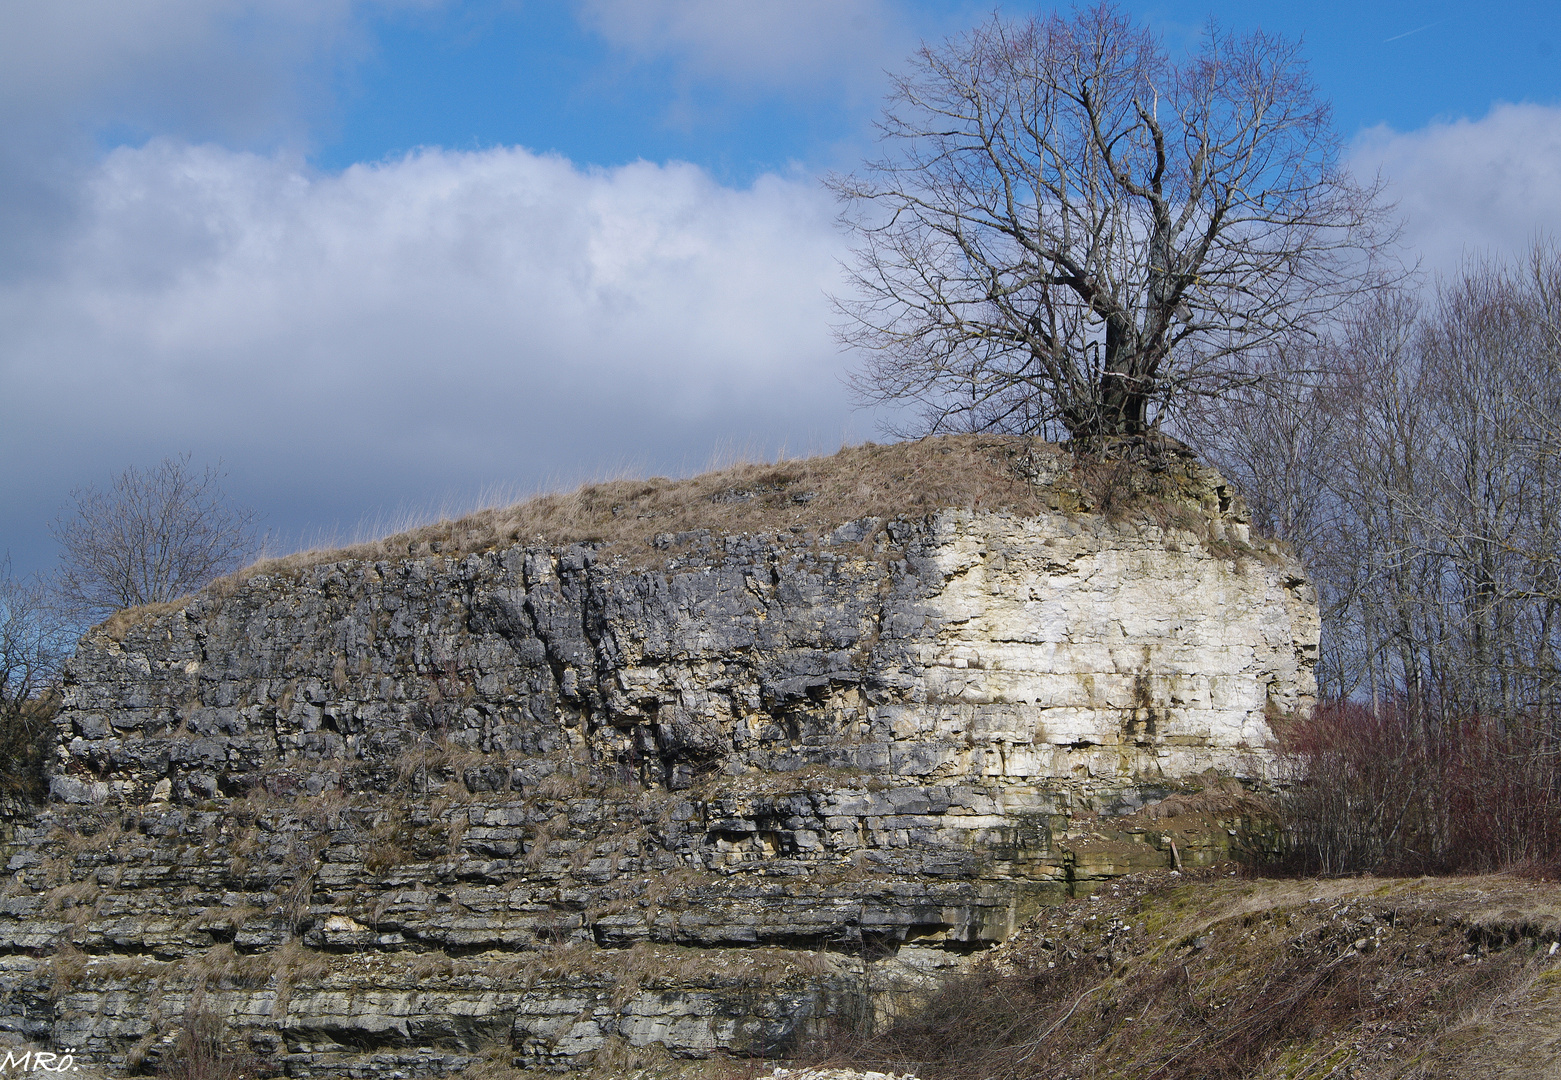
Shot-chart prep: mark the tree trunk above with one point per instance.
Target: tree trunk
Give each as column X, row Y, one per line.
column 1121, row 399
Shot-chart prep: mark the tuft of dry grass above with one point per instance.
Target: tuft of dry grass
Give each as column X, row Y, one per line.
column 437, row 765
column 222, row 966
column 65, row 967
column 120, row 623
column 76, row 895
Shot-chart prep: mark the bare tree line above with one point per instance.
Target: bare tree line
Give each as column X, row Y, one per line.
column 1417, row 470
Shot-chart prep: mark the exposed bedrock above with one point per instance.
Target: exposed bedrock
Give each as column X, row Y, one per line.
column 392, row 817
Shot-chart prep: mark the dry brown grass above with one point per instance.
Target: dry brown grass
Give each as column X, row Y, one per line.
column 70, row 897
column 643, row 521
column 646, row 966
column 230, row 919
column 390, row 842
column 437, row 764
column 1210, row 976
column 65, row 968
column 221, row 967
column 806, row 495
column 91, row 832
column 119, row 624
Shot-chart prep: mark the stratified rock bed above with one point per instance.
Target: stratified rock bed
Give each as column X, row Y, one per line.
column 545, row 804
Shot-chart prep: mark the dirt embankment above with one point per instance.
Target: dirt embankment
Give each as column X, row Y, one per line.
column 1213, row 975
column 1209, row 974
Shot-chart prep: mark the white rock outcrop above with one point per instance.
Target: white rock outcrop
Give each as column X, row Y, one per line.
column 383, row 817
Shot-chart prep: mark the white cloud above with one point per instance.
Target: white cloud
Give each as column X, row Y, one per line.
column 1472, row 187
column 74, row 73
column 756, row 43
column 431, row 324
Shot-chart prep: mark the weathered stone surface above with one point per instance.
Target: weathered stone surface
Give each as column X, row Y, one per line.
column 961, row 647
column 389, row 817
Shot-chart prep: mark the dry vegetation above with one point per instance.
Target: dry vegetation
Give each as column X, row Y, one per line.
column 1211, row 974
column 1207, row 975
column 199, row 1054
column 26, row 737
column 640, row 519
column 619, row 1061
column 1379, row 791
column 647, row 523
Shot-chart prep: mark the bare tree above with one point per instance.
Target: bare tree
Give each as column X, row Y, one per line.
column 1423, row 487
column 1417, row 469
column 154, row 535
column 1068, row 229
column 31, row 647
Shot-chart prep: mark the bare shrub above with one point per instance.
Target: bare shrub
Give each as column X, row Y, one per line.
column 1379, row 790
column 199, row 1053
column 979, row 1026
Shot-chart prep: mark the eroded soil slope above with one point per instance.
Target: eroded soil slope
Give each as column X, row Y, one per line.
column 1212, row 974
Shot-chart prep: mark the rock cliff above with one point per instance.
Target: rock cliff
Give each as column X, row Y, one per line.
column 546, row 802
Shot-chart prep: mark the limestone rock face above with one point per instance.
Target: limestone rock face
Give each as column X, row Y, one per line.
column 961, row 648
column 393, row 817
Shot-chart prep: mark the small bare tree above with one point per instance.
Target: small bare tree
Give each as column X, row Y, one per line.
column 154, row 535
column 29, row 653
column 1070, row 229
column 31, row 646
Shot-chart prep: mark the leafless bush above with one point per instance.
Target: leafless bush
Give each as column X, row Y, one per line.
column 1377, row 790
column 199, row 1054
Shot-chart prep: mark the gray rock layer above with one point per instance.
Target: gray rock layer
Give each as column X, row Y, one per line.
column 392, row 818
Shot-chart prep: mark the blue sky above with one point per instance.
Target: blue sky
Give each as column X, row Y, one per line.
column 550, row 77
column 384, row 258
